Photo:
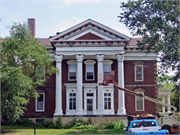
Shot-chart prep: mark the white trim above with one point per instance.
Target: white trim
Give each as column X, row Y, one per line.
column 90, row 89
column 109, row 89
column 140, row 56
column 142, row 67
column 93, row 22
column 89, row 62
column 89, row 50
column 89, row 31
column 72, row 62
column 136, row 102
column 70, row 89
column 43, row 104
column 107, row 62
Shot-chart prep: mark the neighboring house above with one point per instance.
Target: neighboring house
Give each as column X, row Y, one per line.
column 83, row 53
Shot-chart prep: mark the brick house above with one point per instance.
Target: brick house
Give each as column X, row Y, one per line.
column 83, row 53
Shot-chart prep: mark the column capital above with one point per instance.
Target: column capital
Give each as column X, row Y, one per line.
column 79, row 57
column 58, row 58
column 100, row 57
column 120, row 57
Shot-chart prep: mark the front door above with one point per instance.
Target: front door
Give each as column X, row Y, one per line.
column 89, row 106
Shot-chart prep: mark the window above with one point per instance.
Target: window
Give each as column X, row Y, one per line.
column 72, row 72
column 72, row 101
column 89, row 72
column 40, row 102
column 107, row 101
column 107, row 66
column 106, row 69
column 89, row 69
column 139, row 102
column 40, row 73
column 72, row 69
column 139, row 72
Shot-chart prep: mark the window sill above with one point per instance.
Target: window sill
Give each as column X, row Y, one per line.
column 40, row 111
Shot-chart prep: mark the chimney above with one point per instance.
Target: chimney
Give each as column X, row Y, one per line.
column 32, row 26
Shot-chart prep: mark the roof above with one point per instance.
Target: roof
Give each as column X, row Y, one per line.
column 45, row 42
column 133, row 41
column 89, row 26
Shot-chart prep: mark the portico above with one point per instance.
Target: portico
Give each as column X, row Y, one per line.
column 164, row 93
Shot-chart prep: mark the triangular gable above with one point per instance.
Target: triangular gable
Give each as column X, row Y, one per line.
column 71, row 33
column 89, row 36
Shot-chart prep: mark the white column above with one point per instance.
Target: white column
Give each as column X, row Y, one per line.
column 121, row 97
column 163, row 108
column 58, row 109
column 100, row 109
column 79, row 109
column 168, row 101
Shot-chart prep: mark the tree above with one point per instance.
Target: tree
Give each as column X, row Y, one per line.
column 23, row 61
column 157, row 22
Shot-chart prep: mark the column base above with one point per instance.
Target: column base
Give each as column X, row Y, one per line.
column 100, row 112
column 58, row 112
column 121, row 112
column 79, row 112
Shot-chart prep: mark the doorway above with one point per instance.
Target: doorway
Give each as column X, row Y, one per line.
column 90, row 106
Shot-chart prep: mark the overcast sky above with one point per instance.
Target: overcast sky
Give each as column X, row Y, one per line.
column 57, row 15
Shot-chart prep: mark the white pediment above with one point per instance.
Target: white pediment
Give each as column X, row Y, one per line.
column 89, row 27
column 91, row 32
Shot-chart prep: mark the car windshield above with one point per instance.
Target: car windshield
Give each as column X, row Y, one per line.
column 143, row 124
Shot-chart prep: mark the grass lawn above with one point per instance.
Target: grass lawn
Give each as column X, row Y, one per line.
column 20, row 130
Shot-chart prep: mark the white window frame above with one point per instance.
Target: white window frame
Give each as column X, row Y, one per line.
column 89, row 62
column 70, row 88
column 72, row 62
column 90, row 88
column 142, row 72
column 43, row 103
column 109, row 89
column 136, row 101
column 107, row 62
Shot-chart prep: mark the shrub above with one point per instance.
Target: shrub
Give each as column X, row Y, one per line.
column 48, row 124
column 27, row 122
column 58, row 123
column 119, row 125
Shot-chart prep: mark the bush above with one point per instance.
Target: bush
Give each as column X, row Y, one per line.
column 48, row 124
column 119, row 125
column 58, row 123
column 27, row 122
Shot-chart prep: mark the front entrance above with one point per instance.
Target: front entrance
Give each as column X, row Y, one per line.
column 89, row 106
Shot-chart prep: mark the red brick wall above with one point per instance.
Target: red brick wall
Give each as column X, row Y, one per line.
column 49, row 89
column 129, row 75
column 149, row 80
column 149, row 107
column 49, row 92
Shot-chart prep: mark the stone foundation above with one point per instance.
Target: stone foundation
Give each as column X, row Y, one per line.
column 94, row 119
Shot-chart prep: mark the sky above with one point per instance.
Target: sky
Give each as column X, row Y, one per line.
column 58, row 15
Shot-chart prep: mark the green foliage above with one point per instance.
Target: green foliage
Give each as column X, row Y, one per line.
column 119, row 125
column 112, row 125
column 82, row 123
column 167, row 82
column 21, row 54
column 157, row 22
column 58, row 123
column 26, row 122
column 162, row 114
